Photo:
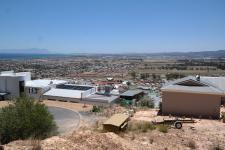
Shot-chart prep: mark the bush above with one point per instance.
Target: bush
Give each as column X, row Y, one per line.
column 96, row 109
column 217, row 147
column 223, row 115
column 25, row 118
column 163, row 128
column 171, row 76
column 142, row 126
column 192, row 144
column 146, row 102
column 125, row 103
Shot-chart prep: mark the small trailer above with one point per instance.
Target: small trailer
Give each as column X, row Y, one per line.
column 177, row 122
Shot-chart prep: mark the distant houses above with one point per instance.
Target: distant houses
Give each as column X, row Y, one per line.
column 194, row 97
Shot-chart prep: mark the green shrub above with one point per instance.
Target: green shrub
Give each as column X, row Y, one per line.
column 146, row 102
column 25, row 118
column 163, row 128
column 96, row 109
column 125, row 103
column 223, row 115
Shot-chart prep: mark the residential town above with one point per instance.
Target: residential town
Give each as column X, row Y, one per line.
column 123, row 102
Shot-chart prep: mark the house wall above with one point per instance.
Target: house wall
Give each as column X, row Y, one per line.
column 38, row 95
column 223, row 101
column 10, row 84
column 191, row 104
column 88, row 92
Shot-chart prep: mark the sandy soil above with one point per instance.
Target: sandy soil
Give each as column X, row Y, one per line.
column 68, row 105
column 79, row 140
column 206, row 134
column 203, row 135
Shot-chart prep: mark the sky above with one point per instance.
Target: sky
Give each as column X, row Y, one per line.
column 113, row 26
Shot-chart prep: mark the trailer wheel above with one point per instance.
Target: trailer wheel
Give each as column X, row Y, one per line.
column 178, row 125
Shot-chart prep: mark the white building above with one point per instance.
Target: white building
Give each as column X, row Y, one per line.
column 36, row 88
column 13, row 84
column 80, row 94
column 70, row 91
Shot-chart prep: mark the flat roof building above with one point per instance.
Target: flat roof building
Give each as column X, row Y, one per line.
column 36, row 88
column 132, row 94
column 80, row 94
column 13, row 84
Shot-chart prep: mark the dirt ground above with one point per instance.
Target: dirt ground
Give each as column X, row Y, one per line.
column 69, row 105
column 203, row 135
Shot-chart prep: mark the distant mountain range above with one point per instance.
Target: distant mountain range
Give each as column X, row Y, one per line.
column 201, row 54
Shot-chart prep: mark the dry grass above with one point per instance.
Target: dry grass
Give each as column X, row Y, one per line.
column 36, row 145
column 142, row 126
column 163, row 128
column 192, row 144
column 217, row 147
column 69, row 105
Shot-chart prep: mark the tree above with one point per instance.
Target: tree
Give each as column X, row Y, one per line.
column 153, row 76
column 146, row 101
column 133, row 74
column 144, row 76
column 25, row 118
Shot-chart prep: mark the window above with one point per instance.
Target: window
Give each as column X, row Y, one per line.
column 33, row 90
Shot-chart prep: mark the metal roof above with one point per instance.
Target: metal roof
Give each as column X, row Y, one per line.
column 218, row 82
column 116, row 120
column 131, row 93
column 74, row 87
column 64, row 93
column 13, row 74
column 101, row 98
column 207, row 85
column 41, row 83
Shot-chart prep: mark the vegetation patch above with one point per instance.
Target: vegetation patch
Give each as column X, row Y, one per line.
column 192, row 144
column 163, row 128
column 25, row 118
column 97, row 109
column 142, row 126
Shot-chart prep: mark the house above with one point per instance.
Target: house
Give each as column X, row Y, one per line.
column 36, row 88
column 13, row 84
column 132, row 94
column 194, row 97
column 79, row 94
column 70, row 92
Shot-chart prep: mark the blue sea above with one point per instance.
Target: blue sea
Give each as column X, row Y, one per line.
column 30, row 56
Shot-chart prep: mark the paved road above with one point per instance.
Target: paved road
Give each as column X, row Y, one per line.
column 66, row 120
